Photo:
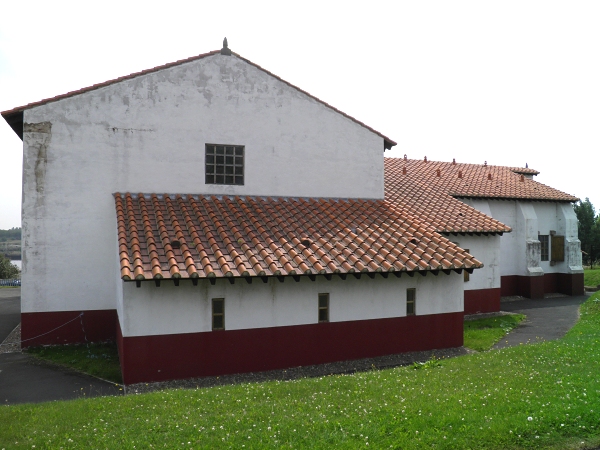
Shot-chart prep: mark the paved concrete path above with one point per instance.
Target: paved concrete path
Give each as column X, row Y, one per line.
column 547, row 319
column 26, row 379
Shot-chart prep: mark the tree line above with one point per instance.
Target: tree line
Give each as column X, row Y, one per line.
column 12, row 234
column 7, row 269
column 588, row 231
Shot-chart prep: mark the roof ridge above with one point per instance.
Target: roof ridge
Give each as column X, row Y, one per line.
column 519, row 170
column 245, row 196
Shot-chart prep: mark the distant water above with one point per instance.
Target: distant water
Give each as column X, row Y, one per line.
column 17, row 263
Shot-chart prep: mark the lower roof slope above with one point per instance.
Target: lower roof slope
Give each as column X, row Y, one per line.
column 175, row 236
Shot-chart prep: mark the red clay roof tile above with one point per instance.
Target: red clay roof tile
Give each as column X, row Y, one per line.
column 427, row 190
column 249, row 236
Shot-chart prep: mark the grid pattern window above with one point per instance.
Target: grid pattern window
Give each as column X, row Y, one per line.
column 545, row 241
column 224, row 164
column 411, row 299
column 323, row 307
column 218, row 314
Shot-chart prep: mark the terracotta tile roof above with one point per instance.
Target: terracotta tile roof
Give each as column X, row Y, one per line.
column 468, row 180
column 9, row 114
column 174, row 236
column 441, row 211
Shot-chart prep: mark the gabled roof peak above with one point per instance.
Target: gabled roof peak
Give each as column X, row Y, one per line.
column 14, row 116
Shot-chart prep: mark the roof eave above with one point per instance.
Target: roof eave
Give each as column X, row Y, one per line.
column 15, row 121
column 531, row 199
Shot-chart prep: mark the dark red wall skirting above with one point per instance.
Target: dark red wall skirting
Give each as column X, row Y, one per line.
column 536, row 287
column 482, row 301
column 509, row 285
column 550, row 283
column 532, row 287
column 66, row 327
column 570, row 283
column 178, row 356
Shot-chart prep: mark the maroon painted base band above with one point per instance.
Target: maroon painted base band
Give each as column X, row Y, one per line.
column 179, row 356
column 67, row 327
column 536, row 287
column 482, row 301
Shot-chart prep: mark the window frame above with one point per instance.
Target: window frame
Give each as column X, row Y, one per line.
column 411, row 301
column 233, row 159
column 323, row 307
column 215, row 315
column 544, row 247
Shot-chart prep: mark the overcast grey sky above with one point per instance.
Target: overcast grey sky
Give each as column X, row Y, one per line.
column 509, row 82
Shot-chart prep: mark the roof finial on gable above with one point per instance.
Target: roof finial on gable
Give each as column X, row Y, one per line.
column 405, row 158
column 526, row 166
column 453, row 161
column 225, row 50
column 425, row 159
column 485, row 164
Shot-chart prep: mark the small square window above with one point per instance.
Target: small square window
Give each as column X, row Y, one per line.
column 323, row 307
column 545, row 247
column 218, row 313
column 224, row 164
column 411, row 298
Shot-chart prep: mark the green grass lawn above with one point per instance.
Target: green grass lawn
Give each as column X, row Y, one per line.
column 482, row 334
column 544, row 395
column 99, row 360
column 591, row 277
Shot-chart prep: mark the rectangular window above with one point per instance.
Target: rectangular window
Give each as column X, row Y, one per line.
column 466, row 275
column 544, row 240
column 224, row 164
column 323, row 307
column 411, row 298
column 218, row 314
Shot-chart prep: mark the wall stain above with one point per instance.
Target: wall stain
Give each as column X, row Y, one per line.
column 38, row 139
column 130, row 130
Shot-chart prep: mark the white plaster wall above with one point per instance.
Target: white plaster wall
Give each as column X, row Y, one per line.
column 487, row 250
column 149, row 310
column 148, row 135
column 561, row 218
column 520, row 249
column 512, row 245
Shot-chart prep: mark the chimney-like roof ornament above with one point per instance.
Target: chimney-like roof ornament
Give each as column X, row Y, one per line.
column 225, row 50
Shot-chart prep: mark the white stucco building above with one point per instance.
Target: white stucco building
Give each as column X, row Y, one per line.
column 525, row 233
column 212, row 218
